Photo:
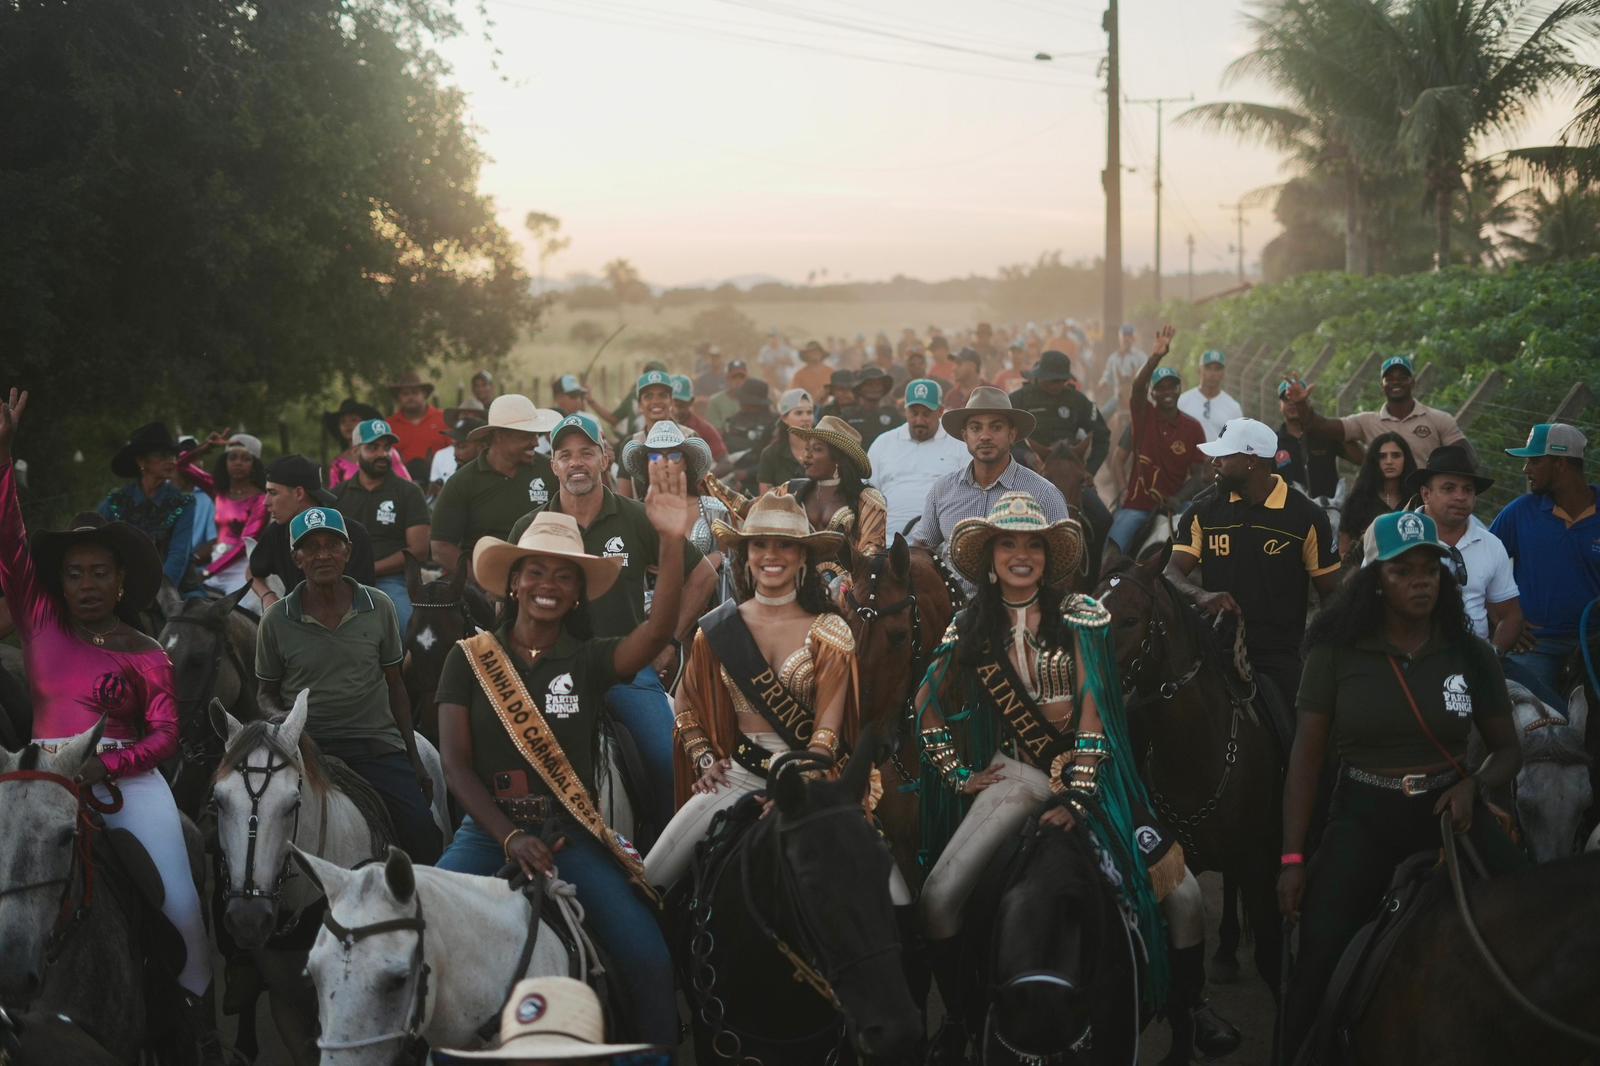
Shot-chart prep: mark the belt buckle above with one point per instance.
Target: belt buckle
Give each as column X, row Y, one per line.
column 1414, row 784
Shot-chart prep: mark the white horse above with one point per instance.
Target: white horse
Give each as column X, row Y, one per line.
column 1553, row 789
column 410, row 954
column 272, row 791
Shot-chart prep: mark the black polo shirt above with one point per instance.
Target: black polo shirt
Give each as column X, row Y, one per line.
column 1062, row 417
column 274, row 556
column 1307, row 464
column 387, row 511
column 871, row 422
column 479, row 501
column 621, row 530
column 1263, row 555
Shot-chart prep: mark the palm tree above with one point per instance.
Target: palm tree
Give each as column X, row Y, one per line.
column 1563, row 226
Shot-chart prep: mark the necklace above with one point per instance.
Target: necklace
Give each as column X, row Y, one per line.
column 777, row 601
column 1029, row 602
column 99, row 639
column 827, row 482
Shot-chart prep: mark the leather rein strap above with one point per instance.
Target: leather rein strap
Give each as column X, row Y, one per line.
column 417, row 976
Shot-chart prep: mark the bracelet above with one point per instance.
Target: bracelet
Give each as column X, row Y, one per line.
column 939, row 752
column 826, row 738
column 685, row 719
column 1292, row 858
column 506, row 843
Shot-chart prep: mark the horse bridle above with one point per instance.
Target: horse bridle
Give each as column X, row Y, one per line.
column 412, row 1045
column 80, row 863
column 249, row 889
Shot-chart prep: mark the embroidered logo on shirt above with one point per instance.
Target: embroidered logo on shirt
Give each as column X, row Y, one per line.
column 559, row 699
column 538, row 492
column 386, row 515
column 1457, row 700
column 1423, row 430
column 615, row 549
column 1178, row 447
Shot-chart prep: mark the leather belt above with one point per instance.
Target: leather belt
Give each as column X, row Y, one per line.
column 752, row 757
column 526, row 810
column 1410, row 784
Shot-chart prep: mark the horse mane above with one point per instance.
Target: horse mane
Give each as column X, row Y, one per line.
column 263, row 733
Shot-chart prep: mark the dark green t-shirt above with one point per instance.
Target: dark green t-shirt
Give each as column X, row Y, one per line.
column 568, row 683
column 1373, row 727
column 620, row 531
column 478, row 501
column 395, row 506
column 778, row 465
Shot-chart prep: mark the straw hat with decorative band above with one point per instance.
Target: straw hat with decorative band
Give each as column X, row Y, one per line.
column 410, row 380
column 665, row 436
column 551, row 1019
column 552, row 535
column 842, row 437
column 986, row 400
column 778, row 515
column 512, row 411
column 1015, row 512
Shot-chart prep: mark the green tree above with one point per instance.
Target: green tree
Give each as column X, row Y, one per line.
column 626, row 284
column 1562, row 225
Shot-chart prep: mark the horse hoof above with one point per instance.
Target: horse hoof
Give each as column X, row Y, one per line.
column 1224, row 969
column 1214, row 1035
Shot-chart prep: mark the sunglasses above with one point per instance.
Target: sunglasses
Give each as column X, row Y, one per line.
column 1458, row 564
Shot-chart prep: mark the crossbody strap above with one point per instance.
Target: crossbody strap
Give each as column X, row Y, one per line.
column 1411, row 701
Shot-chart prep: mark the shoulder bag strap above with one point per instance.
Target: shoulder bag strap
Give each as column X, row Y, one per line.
column 1411, row 701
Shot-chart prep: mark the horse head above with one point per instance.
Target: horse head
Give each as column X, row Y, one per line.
column 265, row 772
column 43, row 858
column 1141, row 606
column 1553, row 787
column 898, row 606
column 204, row 641
column 832, row 870
column 1066, row 466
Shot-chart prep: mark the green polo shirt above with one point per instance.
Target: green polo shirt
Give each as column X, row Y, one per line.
column 387, row 511
column 342, row 667
column 621, row 530
column 1373, row 727
column 568, row 683
column 479, row 501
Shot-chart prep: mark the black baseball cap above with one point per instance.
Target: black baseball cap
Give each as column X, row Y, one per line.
column 1053, row 366
column 737, row 364
column 298, row 472
column 969, row 355
column 755, row 393
column 842, row 379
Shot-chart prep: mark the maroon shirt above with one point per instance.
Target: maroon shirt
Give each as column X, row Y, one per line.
column 1165, row 452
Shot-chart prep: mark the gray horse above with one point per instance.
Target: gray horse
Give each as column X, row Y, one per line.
column 212, row 645
column 1553, row 787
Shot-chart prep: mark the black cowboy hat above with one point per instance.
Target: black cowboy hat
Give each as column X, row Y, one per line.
column 135, row 553
column 153, row 437
column 1450, row 459
column 330, row 419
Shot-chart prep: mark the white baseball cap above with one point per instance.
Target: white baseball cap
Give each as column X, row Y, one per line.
column 1243, row 436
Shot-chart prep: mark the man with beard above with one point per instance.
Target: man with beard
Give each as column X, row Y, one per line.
column 1063, row 413
column 392, row 509
column 907, row 460
column 294, row 486
column 1424, row 428
column 1257, row 540
column 615, row 527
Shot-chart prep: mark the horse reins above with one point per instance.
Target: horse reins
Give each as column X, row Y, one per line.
column 249, row 889
column 412, row 1045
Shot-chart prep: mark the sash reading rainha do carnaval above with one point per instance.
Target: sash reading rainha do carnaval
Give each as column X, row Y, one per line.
column 525, row 724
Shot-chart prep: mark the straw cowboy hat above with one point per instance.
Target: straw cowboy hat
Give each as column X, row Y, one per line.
column 842, row 437
column 551, row 1019
column 664, row 436
column 1015, row 512
column 147, row 439
column 552, row 535
column 410, row 380
column 135, row 553
column 512, row 411
column 986, row 399
column 778, row 515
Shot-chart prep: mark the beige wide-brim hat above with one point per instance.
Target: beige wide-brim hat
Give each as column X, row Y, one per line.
column 551, row 1018
column 1018, row 513
column 664, row 436
column 410, row 380
column 553, row 535
column 986, row 399
column 779, row 515
column 512, row 411
column 842, row 437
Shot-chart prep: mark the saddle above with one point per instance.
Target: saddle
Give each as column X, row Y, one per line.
column 1418, row 882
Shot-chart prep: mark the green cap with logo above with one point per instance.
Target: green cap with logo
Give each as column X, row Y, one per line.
column 371, row 431
column 924, row 392
column 1397, row 532
column 1552, row 438
column 652, row 377
column 1402, row 361
column 682, row 388
column 1213, row 358
column 585, row 423
column 1164, row 373
column 315, row 520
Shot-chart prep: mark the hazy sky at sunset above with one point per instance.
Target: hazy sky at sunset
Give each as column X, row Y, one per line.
column 672, row 133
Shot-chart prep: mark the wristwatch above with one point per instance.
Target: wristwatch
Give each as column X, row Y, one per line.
column 706, row 761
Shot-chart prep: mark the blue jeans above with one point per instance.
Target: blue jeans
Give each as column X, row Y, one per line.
column 621, row 923
column 391, row 776
column 1540, row 670
column 1127, row 527
column 640, row 706
column 394, row 586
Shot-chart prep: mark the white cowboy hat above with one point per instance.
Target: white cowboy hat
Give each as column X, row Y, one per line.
column 667, row 435
column 780, row 516
column 551, row 1018
column 516, row 412
column 550, row 534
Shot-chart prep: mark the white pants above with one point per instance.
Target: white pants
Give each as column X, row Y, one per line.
column 998, row 812
column 669, row 858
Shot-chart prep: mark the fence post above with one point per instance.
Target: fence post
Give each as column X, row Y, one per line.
column 1352, row 388
column 1424, row 376
column 1577, row 399
column 1319, row 364
column 1487, row 389
column 1269, row 380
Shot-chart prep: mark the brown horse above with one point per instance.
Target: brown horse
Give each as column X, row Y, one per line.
column 1065, row 465
column 1212, row 767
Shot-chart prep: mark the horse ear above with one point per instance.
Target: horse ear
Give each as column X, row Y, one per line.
column 226, row 725
column 413, row 576
column 398, row 874
column 1082, row 448
column 900, row 557
column 220, row 609
column 327, row 876
column 168, row 600
column 78, row 751
column 789, row 790
column 8, row 760
column 458, row 580
column 1578, row 709
column 1152, row 563
column 290, row 728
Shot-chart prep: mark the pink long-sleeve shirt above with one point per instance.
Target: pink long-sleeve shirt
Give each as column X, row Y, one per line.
column 236, row 519
column 74, row 682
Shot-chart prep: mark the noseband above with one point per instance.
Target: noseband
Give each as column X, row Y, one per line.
column 412, row 1047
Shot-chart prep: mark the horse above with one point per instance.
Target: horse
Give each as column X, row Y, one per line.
column 1065, row 465
column 443, row 611
column 800, row 895
column 411, row 954
column 1212, row 767
column 272, row 790
column 1553, row 790
column 212, row 645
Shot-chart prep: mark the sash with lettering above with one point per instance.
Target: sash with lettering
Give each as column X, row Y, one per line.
column 1001, row 691
column 743, row 662
column 524, row 723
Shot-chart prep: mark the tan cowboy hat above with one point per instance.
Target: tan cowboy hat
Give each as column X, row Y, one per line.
column 986, row 399
column 512, row 411
column 551, row 1019
column 553, row 535
column 1015, row 512
column 778, row 515
column 842, row 437
column 410, row 380
column 470, row 407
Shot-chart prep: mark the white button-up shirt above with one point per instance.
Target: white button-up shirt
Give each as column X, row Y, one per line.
column 904, row 470
column 1213, row 413
column 1490, row 577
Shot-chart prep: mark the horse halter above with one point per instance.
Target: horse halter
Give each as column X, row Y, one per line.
column 249, row 889
column 412, row 1046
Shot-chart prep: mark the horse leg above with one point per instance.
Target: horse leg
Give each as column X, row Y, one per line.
column 294, row 1003
column 1225, row 962
column 1259, row 900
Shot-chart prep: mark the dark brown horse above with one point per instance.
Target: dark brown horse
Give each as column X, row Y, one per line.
column 442, row 612
column 1065, row 465
column 1211, row 766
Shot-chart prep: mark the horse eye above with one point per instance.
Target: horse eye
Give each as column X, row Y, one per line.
column 897, row 639
column 64, row 837
column 395, row 982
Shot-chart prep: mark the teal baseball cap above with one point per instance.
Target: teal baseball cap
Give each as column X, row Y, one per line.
column 1283, row 389
column 1164, row 373
column 1213, row 358
column 315, row 519
column 924, row 392
column 682, row 388
column 652, row 377
column 1402, row 361
column 371, row 431
column 1552, row 438
column 587, row 424
column 1397, row 532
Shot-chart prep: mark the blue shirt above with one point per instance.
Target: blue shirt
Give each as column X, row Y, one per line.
column 1557, row 566
column 956, row 496
column 167, row 518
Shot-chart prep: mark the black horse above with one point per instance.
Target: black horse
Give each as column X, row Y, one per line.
column 212, row 645
column 442, row 612
column 800, row 896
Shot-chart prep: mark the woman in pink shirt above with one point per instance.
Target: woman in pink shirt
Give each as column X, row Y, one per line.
column 238, row 485
column 69, row 594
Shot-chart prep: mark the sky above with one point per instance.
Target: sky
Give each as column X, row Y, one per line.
column 708, row 139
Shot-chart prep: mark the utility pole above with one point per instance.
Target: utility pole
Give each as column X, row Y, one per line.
column 1238, row 213
column 1159, row 102
column 1190, row 241
column 1112, row 179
